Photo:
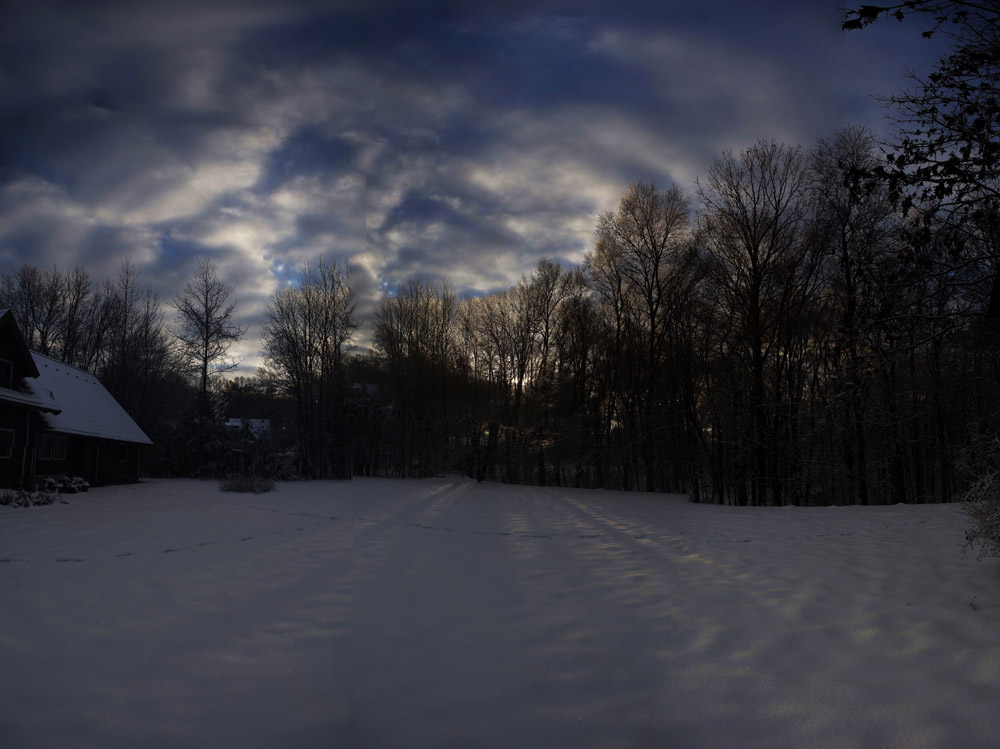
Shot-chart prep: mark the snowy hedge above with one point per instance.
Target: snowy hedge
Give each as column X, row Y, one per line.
column 980, row 462
column 21, row 498
column 982, row 504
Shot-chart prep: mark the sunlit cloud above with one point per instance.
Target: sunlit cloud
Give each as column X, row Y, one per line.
column 400, row 141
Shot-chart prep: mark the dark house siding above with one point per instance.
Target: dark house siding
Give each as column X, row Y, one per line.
column 110, row 461
column 13, row 425
column 96, row 460
column 12, row 352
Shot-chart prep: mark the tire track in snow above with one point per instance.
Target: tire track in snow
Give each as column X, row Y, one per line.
column 603, row 527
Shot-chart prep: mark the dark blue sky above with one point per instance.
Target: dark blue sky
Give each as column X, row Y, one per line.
column 458, row 139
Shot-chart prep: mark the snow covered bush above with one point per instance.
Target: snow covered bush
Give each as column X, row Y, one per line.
column 74, row 484
column 257, row 463
column 21, row 498
column 982, row 504
column 980, row 462
column 63, row 484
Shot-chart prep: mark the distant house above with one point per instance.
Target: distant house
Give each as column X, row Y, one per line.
column 257, row 427
column 366, row 389
column 59, row 420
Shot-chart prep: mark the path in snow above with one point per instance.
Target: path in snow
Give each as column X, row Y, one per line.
column 379, row 613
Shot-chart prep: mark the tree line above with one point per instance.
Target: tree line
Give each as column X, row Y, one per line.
column 791, row 334
column 799, row 337
column 807, row 327
column 114, row 329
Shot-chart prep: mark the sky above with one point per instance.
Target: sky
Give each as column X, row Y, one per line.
column 458, row 140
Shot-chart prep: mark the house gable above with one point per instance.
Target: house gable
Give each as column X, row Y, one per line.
column 57, row 419
column 14, row 352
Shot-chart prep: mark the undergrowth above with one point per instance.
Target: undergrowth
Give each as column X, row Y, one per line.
column 982, row 504
column 981, row 501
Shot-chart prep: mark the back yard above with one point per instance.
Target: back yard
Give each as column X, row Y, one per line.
column 445, row 613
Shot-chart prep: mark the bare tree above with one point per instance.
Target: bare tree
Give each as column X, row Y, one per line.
column 754, row 211
column 206, row 329
column 33, row 296
column 548, row 289
column 643, row 255
column 415, row 334
column 854, row 220
column 79, row 340
column 306, row 331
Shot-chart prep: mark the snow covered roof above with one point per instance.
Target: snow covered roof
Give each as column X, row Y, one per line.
column 86, row 407
column 40, row 398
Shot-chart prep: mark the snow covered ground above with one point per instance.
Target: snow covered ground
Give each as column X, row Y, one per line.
column 444, row 613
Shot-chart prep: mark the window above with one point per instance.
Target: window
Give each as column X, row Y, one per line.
column 6, row 444
column 45, row 447
column 6, row 374
column 122, row 452
column 51, row 447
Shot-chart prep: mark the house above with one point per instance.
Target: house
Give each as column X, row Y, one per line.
column 366, row 389
column 59, row 420
column 257, row 427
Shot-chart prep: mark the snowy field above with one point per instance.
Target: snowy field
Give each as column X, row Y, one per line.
column 445, row 613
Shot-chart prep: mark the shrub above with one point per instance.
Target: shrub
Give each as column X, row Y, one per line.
column 258, row 454
column 200, row 448
column 981, row 500
column 63, row 484
column 204, row 448
column 982, row 504
column 21, row 498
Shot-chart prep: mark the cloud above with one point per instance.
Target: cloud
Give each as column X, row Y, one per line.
column 399, row 139
column 41, row 224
